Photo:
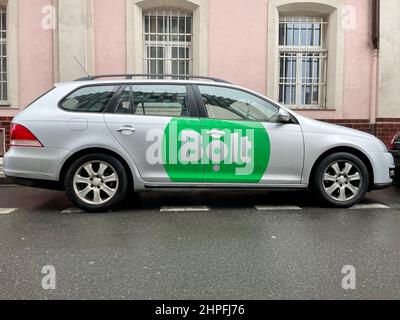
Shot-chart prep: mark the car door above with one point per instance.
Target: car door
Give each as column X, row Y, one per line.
column 244, row 141
column 156, row 124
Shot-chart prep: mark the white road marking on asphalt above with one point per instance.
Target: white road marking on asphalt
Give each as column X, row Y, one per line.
column 73, row 210
column 276, row 208
column 369, row 206
column 184, row 209
column 7, row 210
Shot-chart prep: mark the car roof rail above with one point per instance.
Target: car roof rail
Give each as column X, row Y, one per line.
column 132, row 75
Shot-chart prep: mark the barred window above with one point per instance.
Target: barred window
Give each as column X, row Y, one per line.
column 302, row 62
column 167, row 42
column 3, row 55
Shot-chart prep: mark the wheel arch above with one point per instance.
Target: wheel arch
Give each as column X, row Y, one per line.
column 353, row 151
column 84, row 152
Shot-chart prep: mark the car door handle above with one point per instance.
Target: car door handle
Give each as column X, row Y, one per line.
column 126, row 130
column 215, row 133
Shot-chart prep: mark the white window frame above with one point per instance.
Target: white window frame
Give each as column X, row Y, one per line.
column 334, row 41
column 165, row 40
column 3, row 56
column 315, row 51
column 12, row 102
column 134, row 31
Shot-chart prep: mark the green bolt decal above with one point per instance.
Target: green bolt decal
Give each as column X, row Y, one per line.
column 227, row 151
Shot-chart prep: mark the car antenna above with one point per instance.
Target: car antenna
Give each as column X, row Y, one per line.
column 82, row 66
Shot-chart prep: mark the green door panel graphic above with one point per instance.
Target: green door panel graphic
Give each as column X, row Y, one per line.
column 215, row 151
column 248, row 151
column 176, row 166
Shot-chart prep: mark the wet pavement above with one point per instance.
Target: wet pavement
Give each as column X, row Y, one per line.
column 199, row 245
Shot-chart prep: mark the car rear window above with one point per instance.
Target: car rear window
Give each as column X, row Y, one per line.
column 89, row 99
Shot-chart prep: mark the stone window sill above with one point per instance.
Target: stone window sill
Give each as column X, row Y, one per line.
column 313, row 109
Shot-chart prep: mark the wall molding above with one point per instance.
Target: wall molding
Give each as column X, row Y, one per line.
column 74, row 37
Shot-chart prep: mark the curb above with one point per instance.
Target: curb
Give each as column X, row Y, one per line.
column 4, row 180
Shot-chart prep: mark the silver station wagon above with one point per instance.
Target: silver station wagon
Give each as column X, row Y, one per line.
column 100, row 137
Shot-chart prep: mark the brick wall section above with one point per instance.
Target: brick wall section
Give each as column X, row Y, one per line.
column 387, row 128
column 5, row 123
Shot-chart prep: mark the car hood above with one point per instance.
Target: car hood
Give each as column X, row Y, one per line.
column 315, row 126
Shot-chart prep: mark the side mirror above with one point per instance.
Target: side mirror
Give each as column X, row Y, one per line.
column 284, row 116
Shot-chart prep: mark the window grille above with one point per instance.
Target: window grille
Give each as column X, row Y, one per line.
column 167, row 42
column 302, row 62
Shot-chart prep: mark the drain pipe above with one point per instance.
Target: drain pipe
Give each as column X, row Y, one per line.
column 374, row 89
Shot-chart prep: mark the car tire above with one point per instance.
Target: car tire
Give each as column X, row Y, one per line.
column 341, row 180
column 96, row 182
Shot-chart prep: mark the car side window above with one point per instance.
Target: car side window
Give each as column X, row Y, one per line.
column 233, row 104
column 160, row 100
column 89, row 99
column 125, row 102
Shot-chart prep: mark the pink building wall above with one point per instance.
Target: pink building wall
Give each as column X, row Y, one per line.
column 357, row 64
column 35, row 51
column 238, row 52
column 238, row 42
column 237, row 49
column 109, row 36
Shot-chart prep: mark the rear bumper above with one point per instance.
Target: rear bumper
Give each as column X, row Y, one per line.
column 41, row 184
column 34, row 163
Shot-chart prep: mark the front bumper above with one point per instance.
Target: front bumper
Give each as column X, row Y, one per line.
column 383, row 167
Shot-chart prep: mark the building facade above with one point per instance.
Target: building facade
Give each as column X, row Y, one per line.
column 333, row 60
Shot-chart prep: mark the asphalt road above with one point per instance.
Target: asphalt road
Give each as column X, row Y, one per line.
column 292, row 249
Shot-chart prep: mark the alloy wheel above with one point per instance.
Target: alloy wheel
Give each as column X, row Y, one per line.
column 96, row 182
column 342, row 180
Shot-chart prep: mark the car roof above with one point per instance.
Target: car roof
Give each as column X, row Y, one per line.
column 79, row 83
column 140, row 78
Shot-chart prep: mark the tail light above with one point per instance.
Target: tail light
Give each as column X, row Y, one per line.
column 395, row 143
column 22, row 137
column 391, row 144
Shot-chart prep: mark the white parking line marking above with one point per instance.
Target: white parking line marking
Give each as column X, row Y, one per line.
column 73, row 210
column 7, row 210
column 184, row 209
column 369, row 206
column 276, row 208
